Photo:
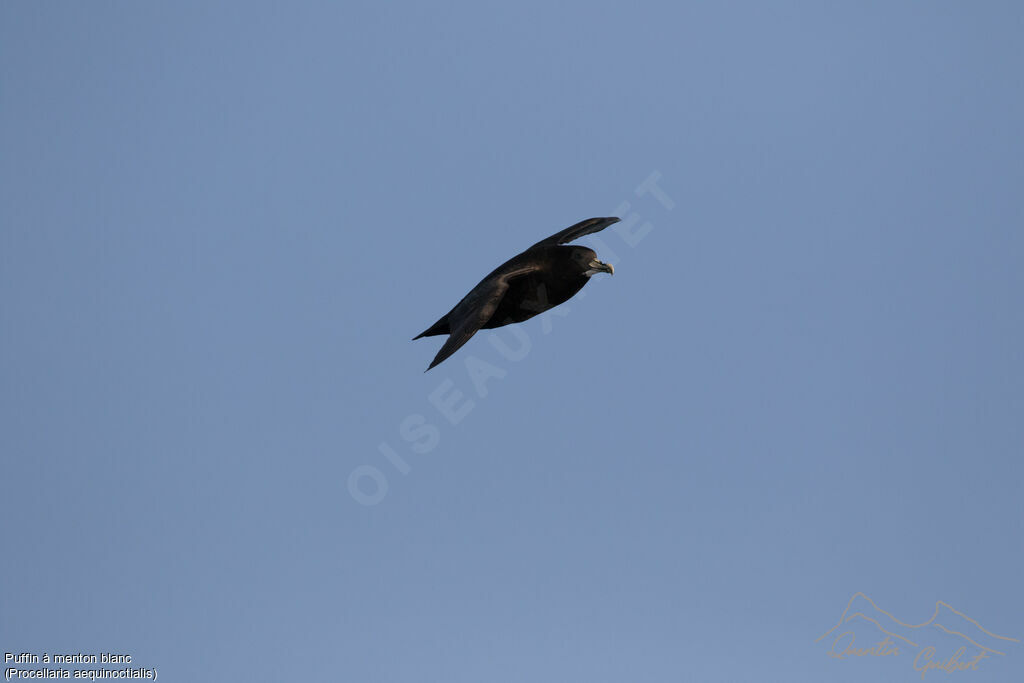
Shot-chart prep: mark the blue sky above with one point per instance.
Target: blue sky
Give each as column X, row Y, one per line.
column 222, row 223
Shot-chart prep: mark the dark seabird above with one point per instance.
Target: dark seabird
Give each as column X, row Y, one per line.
column 540, row 278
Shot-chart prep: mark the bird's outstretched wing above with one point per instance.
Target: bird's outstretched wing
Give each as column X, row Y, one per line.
column 573, row 232
column 476, row 308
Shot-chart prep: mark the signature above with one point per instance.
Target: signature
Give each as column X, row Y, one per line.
column 900, row 636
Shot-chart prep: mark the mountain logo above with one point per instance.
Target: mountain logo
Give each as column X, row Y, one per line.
column 950, row 641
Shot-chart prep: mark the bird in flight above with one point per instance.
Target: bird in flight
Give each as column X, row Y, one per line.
column 536, row 280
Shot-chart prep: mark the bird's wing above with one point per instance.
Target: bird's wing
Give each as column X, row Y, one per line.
column 573, row 232
column 476, row 308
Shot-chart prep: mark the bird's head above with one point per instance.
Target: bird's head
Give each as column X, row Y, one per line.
column 586, row 259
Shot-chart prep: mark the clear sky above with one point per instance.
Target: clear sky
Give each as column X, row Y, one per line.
column 222, row 223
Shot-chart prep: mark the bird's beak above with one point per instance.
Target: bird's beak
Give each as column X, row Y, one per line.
column 601, row 266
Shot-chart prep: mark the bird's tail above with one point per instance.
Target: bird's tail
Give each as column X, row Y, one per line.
column 440, row 327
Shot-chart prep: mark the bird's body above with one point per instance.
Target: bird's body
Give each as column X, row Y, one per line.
column 542, row 277
column 528, row 294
